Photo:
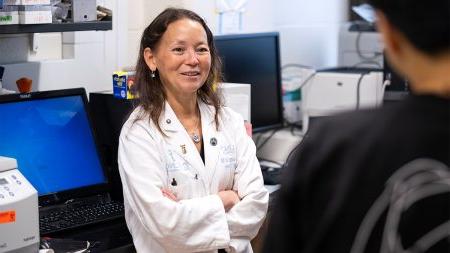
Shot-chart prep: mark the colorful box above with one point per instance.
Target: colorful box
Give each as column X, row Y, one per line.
column 9, row 15
column 123, row 82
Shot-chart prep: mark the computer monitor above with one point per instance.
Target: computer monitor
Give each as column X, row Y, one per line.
column 255, row 59
column 50, row 135
column 108, row 115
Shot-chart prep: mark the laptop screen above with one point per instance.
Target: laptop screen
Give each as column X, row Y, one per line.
column 51, row 138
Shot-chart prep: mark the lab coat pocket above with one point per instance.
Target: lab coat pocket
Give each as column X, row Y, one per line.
column 229, row 169
column 227, row 163
column 185, row 184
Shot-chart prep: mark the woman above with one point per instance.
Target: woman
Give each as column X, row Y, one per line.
column 190, row 176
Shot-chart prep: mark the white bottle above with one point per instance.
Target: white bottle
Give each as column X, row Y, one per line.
column 3, row 91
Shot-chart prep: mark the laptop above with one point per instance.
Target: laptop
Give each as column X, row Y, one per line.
column 50, row 135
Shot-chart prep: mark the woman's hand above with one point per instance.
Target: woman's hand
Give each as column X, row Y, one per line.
column 168, row 194
column 229, row 199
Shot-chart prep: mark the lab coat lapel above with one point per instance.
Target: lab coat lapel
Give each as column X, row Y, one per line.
column 211, row 141
column 181, row 142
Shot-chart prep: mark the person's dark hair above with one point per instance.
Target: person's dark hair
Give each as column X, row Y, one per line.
column 426, row 24
column 150, row 91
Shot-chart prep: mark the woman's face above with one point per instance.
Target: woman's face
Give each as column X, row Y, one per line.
column 182, row 57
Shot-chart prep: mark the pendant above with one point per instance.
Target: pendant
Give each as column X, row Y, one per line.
column 195, row 138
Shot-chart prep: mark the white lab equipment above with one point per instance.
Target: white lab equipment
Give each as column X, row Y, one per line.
column 338, row 90
column 237, row 96
column 359, row 48
column 294, row 76
column 19, row 213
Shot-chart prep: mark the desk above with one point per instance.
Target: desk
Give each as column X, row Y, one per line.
column 114, row 237
column 275, row 145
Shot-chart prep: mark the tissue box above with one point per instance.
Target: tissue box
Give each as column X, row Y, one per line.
column 9, row 15
column 123, row 82
column 35, row 14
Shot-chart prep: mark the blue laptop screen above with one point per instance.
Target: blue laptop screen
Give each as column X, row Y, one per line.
column 53, row 143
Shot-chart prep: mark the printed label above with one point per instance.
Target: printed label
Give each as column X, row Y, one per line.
column 7, row 216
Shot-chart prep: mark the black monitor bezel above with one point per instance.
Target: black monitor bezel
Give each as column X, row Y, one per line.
column 64, row 196
column 276, row 35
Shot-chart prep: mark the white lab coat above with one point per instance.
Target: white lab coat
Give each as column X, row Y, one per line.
column 148, row 161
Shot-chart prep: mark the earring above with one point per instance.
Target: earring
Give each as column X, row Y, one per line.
column 152, row 75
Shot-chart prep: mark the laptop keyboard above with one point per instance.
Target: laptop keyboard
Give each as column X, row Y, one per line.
column 76, row 216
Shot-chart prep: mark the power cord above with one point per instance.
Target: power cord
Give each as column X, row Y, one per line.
column 359, row 52
column 301, row 67
column 358, row 89
column 260, row 145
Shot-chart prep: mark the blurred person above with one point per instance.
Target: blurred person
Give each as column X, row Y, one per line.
column 343, row 163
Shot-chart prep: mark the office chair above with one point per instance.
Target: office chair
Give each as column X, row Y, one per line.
column 415, row 181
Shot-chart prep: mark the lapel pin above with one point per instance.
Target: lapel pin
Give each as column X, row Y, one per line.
column 183, row 149
column 174, row 182
column 213, row 141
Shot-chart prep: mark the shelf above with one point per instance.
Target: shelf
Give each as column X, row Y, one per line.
column 57, row 27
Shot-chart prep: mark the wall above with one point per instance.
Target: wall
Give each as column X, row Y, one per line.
column 140, row 14
column 308, row 30
column 258, row 17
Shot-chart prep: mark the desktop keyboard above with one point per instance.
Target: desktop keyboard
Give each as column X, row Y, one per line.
column 72, row 216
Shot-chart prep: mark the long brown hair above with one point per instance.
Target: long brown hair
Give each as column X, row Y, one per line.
column 150, row 91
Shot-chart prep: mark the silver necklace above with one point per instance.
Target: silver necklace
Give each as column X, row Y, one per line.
column 194, row 135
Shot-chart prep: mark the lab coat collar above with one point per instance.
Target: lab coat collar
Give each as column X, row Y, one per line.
column 168, row 119
column 212, row 139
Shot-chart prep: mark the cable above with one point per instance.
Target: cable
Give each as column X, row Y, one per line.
column 304, row 67
column 294, row 125
column 259, row 146
column 358, row 90
column 359, row 52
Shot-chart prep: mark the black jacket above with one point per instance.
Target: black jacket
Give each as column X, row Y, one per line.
column 341, row 167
